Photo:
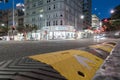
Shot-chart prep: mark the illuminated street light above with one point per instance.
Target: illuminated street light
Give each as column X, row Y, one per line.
column 82, row 16
column 41, row 15
column 23, row 10
column 2, row 24
column 112, row 11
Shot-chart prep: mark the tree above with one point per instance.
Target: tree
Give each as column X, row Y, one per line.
column 4, row 30
column 34, row 28
column 20, row 29
column 26, row 29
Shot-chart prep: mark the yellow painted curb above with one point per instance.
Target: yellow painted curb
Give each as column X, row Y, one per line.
column 112, row 44
column 104, row 47
column 72, row 64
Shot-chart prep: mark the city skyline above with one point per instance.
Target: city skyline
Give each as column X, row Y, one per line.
column 99, row 7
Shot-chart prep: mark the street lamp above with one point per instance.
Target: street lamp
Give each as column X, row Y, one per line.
column 41, row 15
column 13, row 24
column 112, row 11
column 82, row 16
column 2, row 24
column 23, row 10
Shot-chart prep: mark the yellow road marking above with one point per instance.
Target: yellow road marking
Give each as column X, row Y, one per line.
column 72, row 64
column 103, row 47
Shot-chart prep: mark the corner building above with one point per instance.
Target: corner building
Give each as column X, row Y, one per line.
column 55, row 15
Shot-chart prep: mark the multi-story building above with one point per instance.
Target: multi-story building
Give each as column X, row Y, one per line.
column 4, row 17
column 15, row 19
column 18, row 17
column 96, row 23
column 55, row 14
column 87, row 13
column 3, row 22
column 0, row 17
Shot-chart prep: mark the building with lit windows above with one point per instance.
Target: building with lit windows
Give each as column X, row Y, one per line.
column 18, row 16
column 4, row 17
column 55, row 16
column 95, row 21
column 87, row 13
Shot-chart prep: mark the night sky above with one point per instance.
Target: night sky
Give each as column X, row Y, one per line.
column 9, row 4
column 103, row 7
column 99, row 7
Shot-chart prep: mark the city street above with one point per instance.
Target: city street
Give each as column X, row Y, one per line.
column 16, row 49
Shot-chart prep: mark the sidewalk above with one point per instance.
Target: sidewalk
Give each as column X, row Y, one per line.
column 110, row 70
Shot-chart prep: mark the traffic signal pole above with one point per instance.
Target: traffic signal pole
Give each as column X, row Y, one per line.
column 13, row 26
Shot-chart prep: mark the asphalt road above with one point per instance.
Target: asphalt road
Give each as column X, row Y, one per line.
column 16, row 49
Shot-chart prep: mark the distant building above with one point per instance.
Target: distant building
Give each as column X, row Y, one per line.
column 87, row 8
column 95, row 21
column 4, row 17
column 1, row 18
column 58, row 15
column 18, row 17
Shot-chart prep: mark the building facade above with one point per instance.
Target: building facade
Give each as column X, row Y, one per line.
column 1, row 20
column 54, row 14
column 4, row 17
column 87, row 13
column 96, row 23
column 18, row 17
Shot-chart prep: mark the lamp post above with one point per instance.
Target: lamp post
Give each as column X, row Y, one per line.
column 13, row 15
column 82, row 18
column 41, row 16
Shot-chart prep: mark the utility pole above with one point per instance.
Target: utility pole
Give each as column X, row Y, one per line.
column 13, row 25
